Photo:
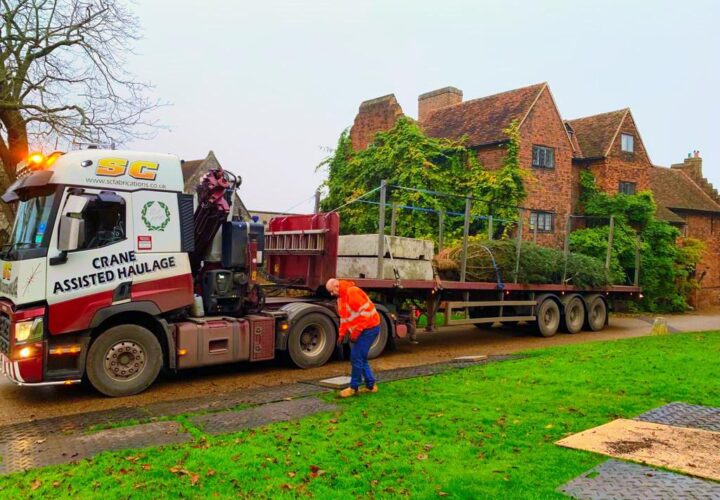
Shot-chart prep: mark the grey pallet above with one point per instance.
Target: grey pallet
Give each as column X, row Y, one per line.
column 684, row 415
column 627, row 481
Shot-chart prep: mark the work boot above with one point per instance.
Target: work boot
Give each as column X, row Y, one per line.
column 346, row 393
column 374, row 389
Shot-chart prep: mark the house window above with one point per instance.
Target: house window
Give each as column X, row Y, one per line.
column 542, row 220
column 543, row 157
column 627, row 143
column 627, row 187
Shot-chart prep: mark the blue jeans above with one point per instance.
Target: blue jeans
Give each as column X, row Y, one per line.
column 359, row 358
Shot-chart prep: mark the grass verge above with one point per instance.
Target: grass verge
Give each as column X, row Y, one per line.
column 481, row 432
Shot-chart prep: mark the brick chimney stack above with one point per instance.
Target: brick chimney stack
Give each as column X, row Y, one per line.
column 692, row 166
column 430, row 101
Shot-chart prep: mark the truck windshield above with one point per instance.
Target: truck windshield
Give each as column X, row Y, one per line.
column 32, row 221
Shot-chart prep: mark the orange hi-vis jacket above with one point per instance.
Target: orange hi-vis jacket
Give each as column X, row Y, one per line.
column 356, row 311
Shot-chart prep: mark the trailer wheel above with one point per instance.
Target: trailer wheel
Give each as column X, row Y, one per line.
column 574, row 317
column 124, row 360
column 377, row 347
column 312, row 340
column 548, row 317
column 597, row 314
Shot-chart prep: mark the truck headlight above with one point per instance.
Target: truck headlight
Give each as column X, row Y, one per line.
column 29, row 331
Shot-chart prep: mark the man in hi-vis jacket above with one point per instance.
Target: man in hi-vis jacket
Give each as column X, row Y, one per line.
column 360, row 320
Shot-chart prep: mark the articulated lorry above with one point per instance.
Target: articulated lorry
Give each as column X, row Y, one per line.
column 112, row 273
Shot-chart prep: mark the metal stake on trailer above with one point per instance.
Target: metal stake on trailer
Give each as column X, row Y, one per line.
column 381, row 230
column 441, row 230
column 611, row 233
column 518, row 244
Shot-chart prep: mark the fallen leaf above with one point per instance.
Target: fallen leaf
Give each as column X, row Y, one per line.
column 333, row 420
column 291, row 474
column 549, row 426
column 56, row 484
column 123, row 471
column 442, row 494
column 210, row 473
column 428, row 447
column 314, row 468
column 132, row 459
column 285, row 486
column 422, row 456
column 35, row 484
column 146, row 466
column 194, row 478
column 40, row 441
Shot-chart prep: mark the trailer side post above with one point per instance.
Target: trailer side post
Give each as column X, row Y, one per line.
column 317, row 201
column 518, row 244
column 393, row 219
column 441, row 230
column 490, row 227
column 566, row 248
column 611, row 232
column 636, row 279
column 381, row 230
column 466, row 234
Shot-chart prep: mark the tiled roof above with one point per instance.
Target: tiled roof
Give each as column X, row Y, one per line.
column 664, row 213
column 595, row 133
column 676, row 191
column 484, row 119
column 189, row 168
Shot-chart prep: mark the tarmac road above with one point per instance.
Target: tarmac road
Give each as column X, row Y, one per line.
column 18, row 404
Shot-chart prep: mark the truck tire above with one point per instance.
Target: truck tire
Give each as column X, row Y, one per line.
column 573, row 315
column 548, row 317
column 124, row 360
column 312, row 340
column 377, row 347
column 597, row 313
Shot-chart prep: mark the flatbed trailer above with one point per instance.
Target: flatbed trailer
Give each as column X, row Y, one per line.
column 302, row 251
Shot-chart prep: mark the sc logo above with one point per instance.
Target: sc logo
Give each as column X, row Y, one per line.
column 114, row 167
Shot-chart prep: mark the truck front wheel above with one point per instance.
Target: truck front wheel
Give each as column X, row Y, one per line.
column 124, row 360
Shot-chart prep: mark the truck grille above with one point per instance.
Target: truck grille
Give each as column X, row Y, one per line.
column 4, row 334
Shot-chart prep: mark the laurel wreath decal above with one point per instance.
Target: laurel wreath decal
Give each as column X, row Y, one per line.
column 148, row 223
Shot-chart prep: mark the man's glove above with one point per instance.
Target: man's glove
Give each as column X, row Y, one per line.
column 340, row 340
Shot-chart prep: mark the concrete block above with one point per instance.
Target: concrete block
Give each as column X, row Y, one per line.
column 340, row 382
column 471, row 358
column 366, row 267
column 366, row 245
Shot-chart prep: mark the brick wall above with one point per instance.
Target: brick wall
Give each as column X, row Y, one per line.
column 619, row 166
column 491, row 157
column 547, row 189
column 374, row 116
column 706, row 227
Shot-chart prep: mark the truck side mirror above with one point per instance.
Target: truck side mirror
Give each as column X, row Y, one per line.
column 71, row 234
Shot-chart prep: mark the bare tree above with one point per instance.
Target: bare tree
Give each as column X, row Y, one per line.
column 63, row 77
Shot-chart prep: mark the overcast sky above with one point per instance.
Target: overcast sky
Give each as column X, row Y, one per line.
column 269, row 85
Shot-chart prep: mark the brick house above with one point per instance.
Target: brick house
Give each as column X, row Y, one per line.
column 554, row 151
column 610, row 146
column 687, row 200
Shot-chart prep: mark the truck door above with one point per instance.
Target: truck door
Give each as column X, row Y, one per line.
column 84, row 279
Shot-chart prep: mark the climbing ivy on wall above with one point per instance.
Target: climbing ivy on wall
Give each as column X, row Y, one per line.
column 667, row 261
column 405, row 156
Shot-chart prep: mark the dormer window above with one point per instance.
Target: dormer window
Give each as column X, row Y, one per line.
column 627, row 143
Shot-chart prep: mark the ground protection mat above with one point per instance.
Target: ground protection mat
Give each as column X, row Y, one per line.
column 692, row 451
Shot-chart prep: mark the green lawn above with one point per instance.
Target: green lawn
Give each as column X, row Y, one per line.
column 481, row 432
